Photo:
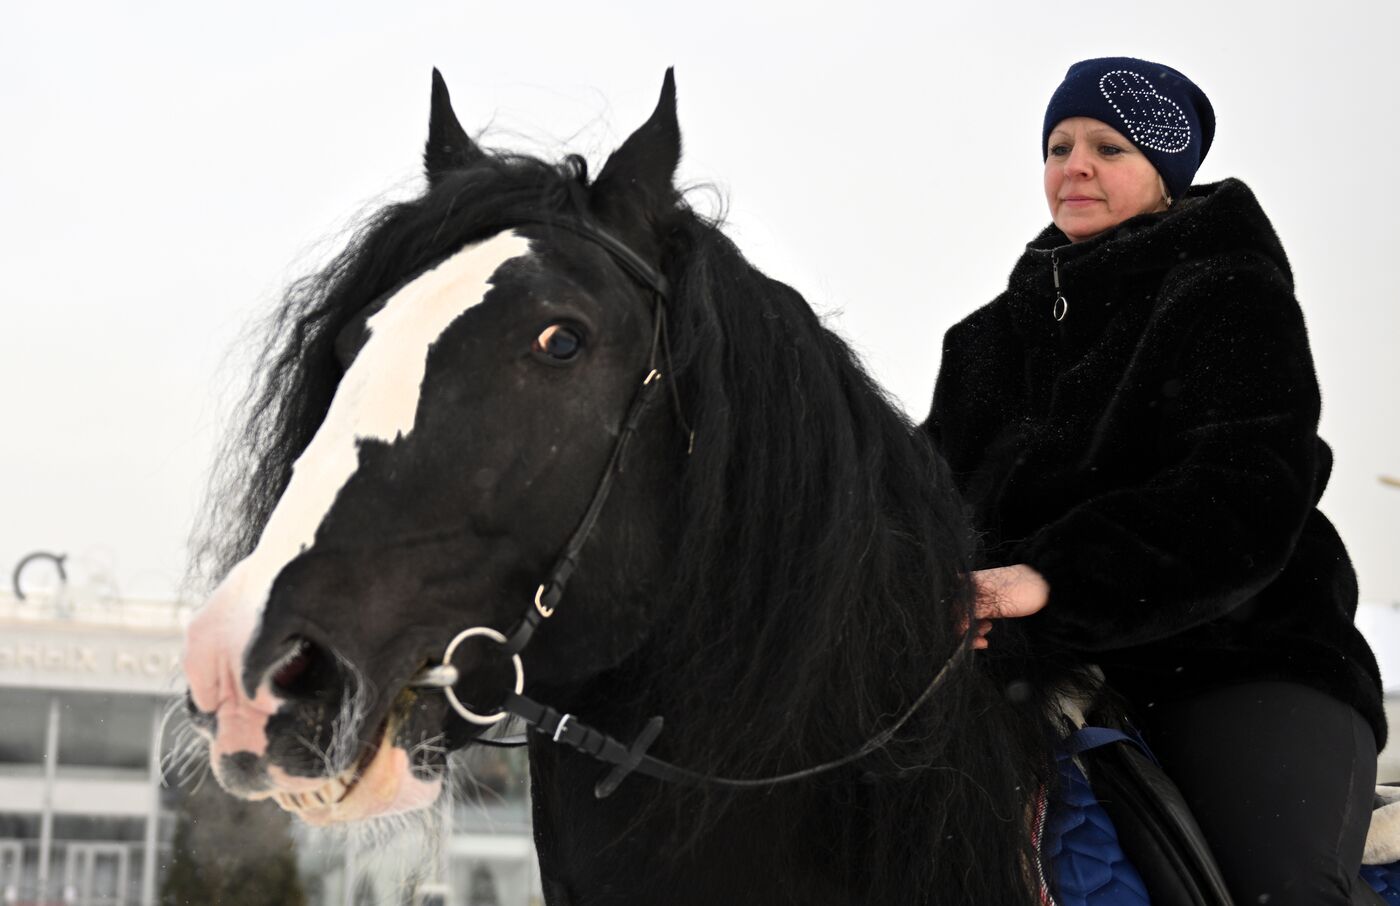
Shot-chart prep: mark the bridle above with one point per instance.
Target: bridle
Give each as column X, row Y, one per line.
column 565, row 728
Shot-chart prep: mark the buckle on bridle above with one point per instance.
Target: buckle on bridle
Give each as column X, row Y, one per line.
column 544, row 609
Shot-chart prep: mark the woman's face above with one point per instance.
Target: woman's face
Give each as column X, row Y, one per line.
column 1095, row 178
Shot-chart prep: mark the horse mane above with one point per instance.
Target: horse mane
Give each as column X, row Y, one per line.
column 823, row 550
column 822, row 566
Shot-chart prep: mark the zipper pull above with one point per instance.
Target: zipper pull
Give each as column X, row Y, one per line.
column 1061, row 307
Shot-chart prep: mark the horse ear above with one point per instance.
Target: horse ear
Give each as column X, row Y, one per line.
column 449, row 147
column 637, row 178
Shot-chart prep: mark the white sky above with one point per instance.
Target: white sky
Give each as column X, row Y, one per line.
column 166, row 169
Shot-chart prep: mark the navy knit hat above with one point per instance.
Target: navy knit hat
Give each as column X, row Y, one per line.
column 1158, row 109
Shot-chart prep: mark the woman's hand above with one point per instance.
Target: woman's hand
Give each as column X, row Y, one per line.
column 1006, row 592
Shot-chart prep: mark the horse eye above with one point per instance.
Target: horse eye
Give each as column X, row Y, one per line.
column 559, row 341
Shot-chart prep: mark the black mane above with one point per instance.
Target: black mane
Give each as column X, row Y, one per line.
column 824, row 562
column 823, row 552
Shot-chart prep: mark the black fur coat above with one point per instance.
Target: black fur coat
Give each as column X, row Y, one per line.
column 1155, row 455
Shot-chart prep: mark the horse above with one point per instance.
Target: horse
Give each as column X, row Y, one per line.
column 526, row 382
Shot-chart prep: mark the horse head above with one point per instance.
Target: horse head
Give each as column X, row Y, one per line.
column 462, row 376
column 438, row 421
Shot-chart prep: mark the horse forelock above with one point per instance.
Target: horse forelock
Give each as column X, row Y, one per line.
column 295, row 368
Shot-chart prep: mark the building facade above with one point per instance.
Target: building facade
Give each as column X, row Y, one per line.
column 86, row 819
column 83, row 693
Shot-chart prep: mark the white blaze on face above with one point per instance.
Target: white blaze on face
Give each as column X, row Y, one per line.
column 376, row 400
column 378, row 397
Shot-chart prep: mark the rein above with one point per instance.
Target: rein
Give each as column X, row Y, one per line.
column 565, row 728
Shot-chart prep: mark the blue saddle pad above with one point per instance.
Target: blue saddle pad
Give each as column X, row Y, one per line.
column 1081, row 847
column 1384, row 880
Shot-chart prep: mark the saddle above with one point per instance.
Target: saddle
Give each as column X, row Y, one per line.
column 1143, row 832
column 1122, row 833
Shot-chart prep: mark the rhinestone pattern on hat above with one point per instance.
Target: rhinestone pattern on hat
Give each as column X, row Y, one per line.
column 1154, row 120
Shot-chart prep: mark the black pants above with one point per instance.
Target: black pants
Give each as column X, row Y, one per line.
column 1280, row 778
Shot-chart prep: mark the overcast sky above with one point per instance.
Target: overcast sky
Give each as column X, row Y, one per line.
column 166, row 169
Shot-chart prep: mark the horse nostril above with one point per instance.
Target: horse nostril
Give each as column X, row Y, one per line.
column 293, row 666
column 306, row 671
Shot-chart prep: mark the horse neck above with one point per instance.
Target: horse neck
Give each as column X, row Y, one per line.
column 644, row 845
column 797, row 626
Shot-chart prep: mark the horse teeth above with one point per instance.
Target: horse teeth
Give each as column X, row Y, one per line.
column 324, row 796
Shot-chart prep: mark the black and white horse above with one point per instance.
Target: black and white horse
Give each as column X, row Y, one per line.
column 460, row 419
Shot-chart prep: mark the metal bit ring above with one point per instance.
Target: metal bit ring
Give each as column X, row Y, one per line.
column 482, row 720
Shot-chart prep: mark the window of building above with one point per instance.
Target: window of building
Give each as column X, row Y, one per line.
column 23, row 731
column 19, row 857
column 105, row 731
column 97, row 860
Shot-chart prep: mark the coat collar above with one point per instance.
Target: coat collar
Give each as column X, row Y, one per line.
column 1110, row 271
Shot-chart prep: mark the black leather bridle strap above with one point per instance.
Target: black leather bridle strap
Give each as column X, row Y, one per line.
column 570, row 731
column 551, row 590
column 637, row 267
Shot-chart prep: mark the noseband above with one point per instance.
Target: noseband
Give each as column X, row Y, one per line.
column 565, row 728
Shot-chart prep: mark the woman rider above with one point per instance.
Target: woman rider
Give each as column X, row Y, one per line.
column 1134, row 423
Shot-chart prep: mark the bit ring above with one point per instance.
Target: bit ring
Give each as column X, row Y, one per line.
column 481, row 720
